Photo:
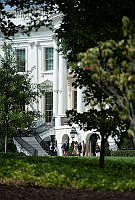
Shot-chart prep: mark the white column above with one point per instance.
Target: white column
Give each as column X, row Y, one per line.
column 80, row 103
column 32, row 61
column 69, row 103
column 37, row 71
column 62, row 85
column 55, row 79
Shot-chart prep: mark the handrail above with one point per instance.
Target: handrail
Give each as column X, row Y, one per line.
column 40, row 129
column 43, row 144
column 26, row 146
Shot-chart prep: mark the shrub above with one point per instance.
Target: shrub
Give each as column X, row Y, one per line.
column 107, row 151
column 123, row 153
column 68, row 171
column 70, row 152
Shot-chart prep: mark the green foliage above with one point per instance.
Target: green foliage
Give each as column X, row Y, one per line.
column 107, row 151
column 105, row 121
column 75, row 172
column 30, row 8
column 123, row 153
column 110, row 68
column 87, row 22
column 11, row 146
column 125, row 142
column 71, row 148
column 107, row 73
column 16, row 93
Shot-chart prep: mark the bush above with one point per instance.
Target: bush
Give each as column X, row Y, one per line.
column 70, row 152
column 107, row 151
column 11, row 147
column 68, row 171
column 123, row 153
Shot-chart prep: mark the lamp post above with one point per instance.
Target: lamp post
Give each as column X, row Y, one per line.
column 73, row 132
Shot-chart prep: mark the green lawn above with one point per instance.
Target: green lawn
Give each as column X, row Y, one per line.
column 77, row 172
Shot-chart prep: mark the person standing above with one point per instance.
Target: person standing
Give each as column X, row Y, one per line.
column 55, row 150
column 97, row 150
column 65, row 148
column 75, row 148
column 83, row 148
column 79, row 148
column 51, row 148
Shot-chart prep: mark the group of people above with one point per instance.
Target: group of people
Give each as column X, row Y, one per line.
column 53, row 149
column 79, row 148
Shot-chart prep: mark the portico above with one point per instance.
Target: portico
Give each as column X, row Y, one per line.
column 63, row 97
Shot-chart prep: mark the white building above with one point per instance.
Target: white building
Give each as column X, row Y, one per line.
column 39, row 50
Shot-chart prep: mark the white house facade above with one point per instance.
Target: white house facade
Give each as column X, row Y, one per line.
column 39, row 52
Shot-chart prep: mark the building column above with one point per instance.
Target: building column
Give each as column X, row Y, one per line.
column 55, row 79
column 80, row 103
column 37, row 70
column 62, row 85
column 69, row 99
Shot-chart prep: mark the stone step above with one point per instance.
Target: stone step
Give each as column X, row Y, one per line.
column 33, row 142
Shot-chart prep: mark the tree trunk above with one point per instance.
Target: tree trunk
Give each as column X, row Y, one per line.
column 6, row 143
column 134, row 141
column 102, row 153
column 6, row 135
column 133, row 131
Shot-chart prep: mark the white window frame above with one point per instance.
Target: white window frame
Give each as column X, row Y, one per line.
column 44, row 59
column 26, row 56
column 44, row 104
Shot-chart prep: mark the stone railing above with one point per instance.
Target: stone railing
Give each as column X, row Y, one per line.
column 25, row 146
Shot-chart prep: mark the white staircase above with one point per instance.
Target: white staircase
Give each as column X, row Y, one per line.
column 33, row 142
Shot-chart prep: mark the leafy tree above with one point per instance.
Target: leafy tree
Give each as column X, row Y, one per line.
column 16, row 92
column 84, row 22
column 87, row 22
column 125, row 141
column 106, row 71
column 36, row 14
column 107, row 150
column 104, row 121
column 110, row 69
column 111, row 65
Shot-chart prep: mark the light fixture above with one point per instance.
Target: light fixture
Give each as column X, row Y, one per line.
column 73, row 132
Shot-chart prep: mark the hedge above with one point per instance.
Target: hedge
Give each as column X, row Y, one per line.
column 123, row 153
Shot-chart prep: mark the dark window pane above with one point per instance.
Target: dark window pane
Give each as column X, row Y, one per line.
column 49, row 58
column 48, row 106
column 21, row 60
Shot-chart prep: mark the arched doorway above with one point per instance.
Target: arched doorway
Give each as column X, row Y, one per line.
column 65, row 137
column 91, row 140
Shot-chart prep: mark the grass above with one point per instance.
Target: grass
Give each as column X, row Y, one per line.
column 76, row 172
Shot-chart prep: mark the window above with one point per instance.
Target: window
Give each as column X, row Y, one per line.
column 21, row 60
column 48, row 106
column 48, row 59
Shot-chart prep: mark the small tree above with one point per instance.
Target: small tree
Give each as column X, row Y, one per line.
column 106, row 72
column 16, row 92
column 104, row 121
column 111, row 66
